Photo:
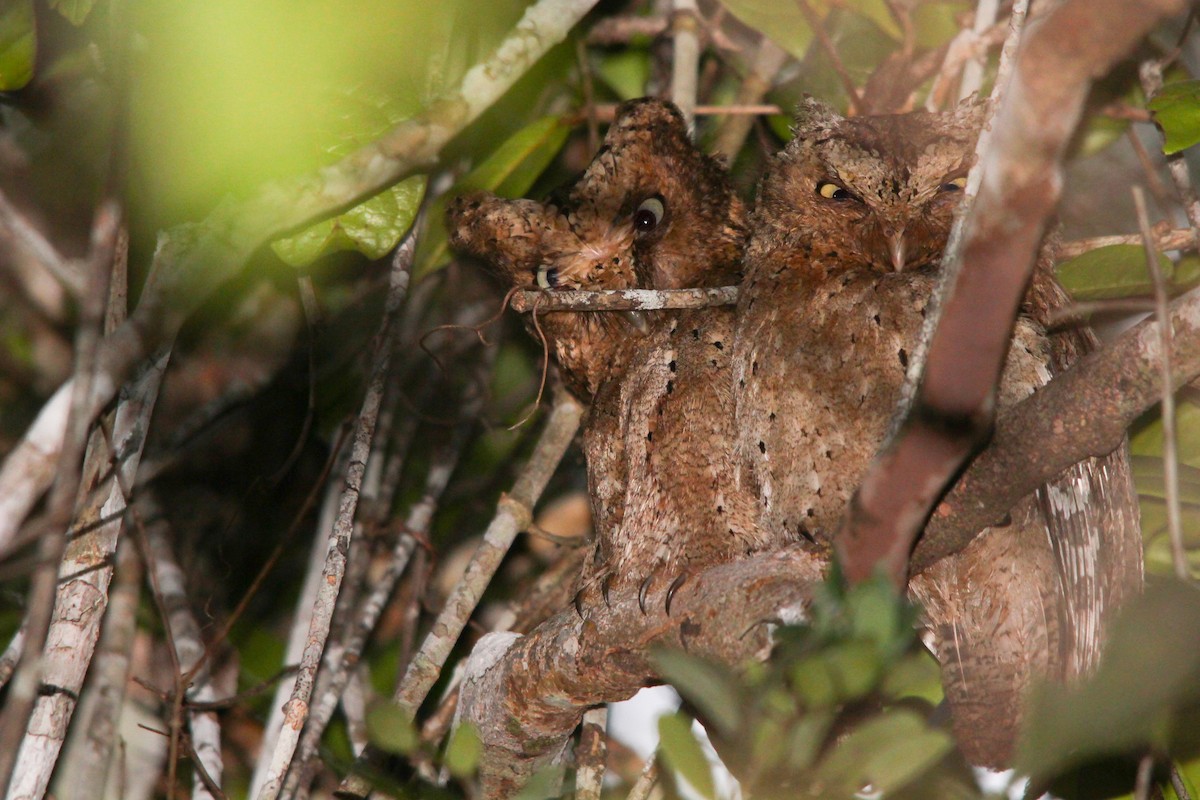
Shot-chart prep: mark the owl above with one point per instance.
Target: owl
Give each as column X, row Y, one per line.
column 842, row 263
column 651, row 211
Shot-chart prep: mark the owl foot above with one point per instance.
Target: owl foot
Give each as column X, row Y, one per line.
column 680, row 580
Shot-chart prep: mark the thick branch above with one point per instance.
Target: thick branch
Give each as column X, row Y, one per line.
column 546, row 680
column 953, row 409
column 1083, row 412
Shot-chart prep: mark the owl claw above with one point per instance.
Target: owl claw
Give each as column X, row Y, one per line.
column 644, row 590
column 605, row 588
column 577, row 601
column 674, row 587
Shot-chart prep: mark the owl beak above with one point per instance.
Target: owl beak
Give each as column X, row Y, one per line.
column 897, row 250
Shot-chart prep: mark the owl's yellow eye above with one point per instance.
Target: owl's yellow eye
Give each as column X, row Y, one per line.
column 831, row 191
column 954, row 185
column 648, row 215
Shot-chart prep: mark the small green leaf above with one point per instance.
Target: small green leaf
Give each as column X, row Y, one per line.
column 683, row 753
column 706, row 685
column 372, row 227
column 875, row 613
column 814, row 681
column 76, row 11
column 1107, row 272
column 507, row 172
column 626, row 72
column 389, row 729
column 781, row 22
column 1149, row 440
column 856, row 668
column 463, row 751
column 376, row 225
column 18, row 44
column 887, row 752
column 1176, row 109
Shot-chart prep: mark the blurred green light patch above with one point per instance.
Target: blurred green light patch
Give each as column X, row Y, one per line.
column 228, row 94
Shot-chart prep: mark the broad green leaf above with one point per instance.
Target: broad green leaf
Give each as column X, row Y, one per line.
column 1177, row 111
column 856, row 668
column 887, row 752
column 463, row 751
column 74, row 10
column 626, row 72
column 814, row 680
column 372, row 227
column 937, row 22
column 781, row 22
column 683, row 753
column 1107, row 272
column 1149, row 440
column 376, row 225
column 1121, row 709
column 915, row 675
column 508, row 172
column 707, row 686
column 18, row 44
column 389, row 729
column 875, row 613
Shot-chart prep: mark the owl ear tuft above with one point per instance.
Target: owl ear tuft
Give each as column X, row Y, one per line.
column 814, row 116
column 648, row 112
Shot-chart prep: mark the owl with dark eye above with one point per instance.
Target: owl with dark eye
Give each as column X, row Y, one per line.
column 651, row 211
column 851, row 222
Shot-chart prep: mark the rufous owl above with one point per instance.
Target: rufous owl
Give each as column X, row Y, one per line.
column 651, row 211
column 851, row 221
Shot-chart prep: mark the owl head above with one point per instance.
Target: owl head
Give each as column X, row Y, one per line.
column 877, row 192
column 650, row 211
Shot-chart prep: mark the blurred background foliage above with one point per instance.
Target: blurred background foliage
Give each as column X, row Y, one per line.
column 178, row 107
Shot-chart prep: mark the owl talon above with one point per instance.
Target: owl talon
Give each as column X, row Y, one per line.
column 644, row 590
column 577, row 601
column 674, row 587
column 605, row 588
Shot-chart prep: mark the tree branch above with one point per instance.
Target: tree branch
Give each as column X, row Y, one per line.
column 954, row 406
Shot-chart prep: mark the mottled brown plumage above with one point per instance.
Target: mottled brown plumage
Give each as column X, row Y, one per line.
column 851, row 221
column 659, row 432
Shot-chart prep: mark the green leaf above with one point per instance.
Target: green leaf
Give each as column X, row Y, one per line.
column 887, row 752
column 1176, row 109
column 1149, row 440
column 707, row 686
column 856, row 668
column 74, row 10
column 626, row 72
column 1107, row 272
column 389, row 729
column 376, row 225
column 18, row 44
column 683, row 753
column 463, row 751
column 937, row 22
column 875, row 613
column 1120, row 710
column 508, row 172
column 781, row 22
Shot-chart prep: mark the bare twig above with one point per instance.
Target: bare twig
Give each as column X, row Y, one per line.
column 624, row 299
column 826, row 44
column 70, row 274
column 646, row 779
column 591, row 754
column 768, row 60
column 1145, row 778
column 297, row 708
column 1164, row 238
column 972, row 73
column 1170, row 446
column 513, row 513
column 685, row 68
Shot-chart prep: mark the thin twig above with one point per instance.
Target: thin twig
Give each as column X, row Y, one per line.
column 1145, row 778
column 513, row 513
column 339, row 537
column 646, row 779
column 1151, row 75
column 623, row 299
column 70, row 274
column 1164, row 237
column 1170, row 446
column 768, row 59
column 835, row 60
column 591, row 754
column 685, row 66
column 972, row 73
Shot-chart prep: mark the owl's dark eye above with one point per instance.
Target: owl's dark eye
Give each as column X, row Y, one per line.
column 649, row 214
column 956, row 185
column 831, row 191
column 547, row 277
